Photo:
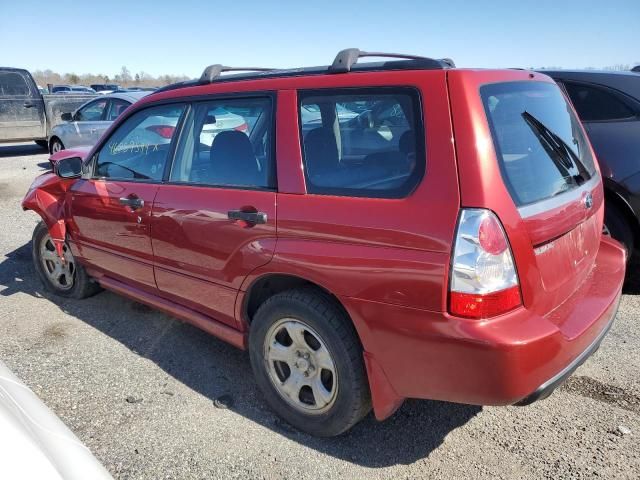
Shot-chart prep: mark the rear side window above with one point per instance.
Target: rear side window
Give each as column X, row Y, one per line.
column 92, row 112
column 595, row 104
column 540, row 144
column 227, row 142
column 362, row 142
column 139, row 147
column 12, row 83
column 117, row 107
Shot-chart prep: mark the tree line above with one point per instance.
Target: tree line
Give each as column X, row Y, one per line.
column 124, row 78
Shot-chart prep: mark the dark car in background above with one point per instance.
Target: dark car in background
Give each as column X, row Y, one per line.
column 26, row 114
column 608, row 104
column 105, row 88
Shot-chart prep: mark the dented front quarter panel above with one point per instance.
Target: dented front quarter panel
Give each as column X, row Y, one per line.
column 47, row 196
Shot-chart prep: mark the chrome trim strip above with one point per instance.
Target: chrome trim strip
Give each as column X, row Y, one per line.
column 559, row 200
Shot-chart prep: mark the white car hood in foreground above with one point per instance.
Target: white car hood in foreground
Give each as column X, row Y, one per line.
column 34, row 443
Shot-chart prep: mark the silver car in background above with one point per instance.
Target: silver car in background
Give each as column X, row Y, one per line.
column 34, row 443
column 85, row 126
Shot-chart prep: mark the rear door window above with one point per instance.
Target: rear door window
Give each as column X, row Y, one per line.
column 116, row 108
column 13, row 84
column 366, row 142
column 227, row 142
column 540, row 144
column 597, row 104
column 92, row 112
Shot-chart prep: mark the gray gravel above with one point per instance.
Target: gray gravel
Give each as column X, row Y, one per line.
column 154, row 398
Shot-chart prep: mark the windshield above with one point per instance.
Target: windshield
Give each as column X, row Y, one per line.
column 539, row 141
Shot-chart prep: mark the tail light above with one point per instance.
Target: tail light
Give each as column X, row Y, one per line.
column 244, row 128
column 483, row 282
column 165, row 131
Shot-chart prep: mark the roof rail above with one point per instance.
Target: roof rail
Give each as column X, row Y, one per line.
column 348, row 57
column 214, row 71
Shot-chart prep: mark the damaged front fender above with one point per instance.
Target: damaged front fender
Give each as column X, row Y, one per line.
column 47, row 197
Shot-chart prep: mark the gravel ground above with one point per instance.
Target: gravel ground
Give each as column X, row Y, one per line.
column 155, row 398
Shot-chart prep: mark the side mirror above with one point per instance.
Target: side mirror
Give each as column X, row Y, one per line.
column 67, row 117
column 69, row 167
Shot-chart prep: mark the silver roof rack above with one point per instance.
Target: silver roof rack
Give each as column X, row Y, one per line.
column 348, row 57
column 212, row 72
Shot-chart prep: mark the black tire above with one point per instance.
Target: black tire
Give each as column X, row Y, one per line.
column 56, row 145
column 618, row 227
column 320, row 312
column 42, row 143
column 83, row 286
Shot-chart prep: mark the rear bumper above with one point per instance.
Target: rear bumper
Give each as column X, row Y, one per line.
column 513, row 359
column 547, row 388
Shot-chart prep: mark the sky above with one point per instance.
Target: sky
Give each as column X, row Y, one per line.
column 182, row 37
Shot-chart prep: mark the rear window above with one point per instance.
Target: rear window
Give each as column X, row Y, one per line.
column 539, row 142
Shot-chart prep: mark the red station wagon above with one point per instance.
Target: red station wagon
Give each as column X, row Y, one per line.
column 370, row 232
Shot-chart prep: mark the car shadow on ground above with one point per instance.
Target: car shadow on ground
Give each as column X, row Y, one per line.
column 22, row 150
column 222, row 373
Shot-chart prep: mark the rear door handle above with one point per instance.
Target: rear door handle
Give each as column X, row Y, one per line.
column 249, row 217
column 132, row 202
column 28, row 105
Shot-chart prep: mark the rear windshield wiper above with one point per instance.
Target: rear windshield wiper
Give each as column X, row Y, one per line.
column 563, row 153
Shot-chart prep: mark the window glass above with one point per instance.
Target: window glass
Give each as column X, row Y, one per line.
column 92, row 112
column 227, row 142
column 539, row 141
column 139, row 147
column 595, row 104
column 12, row 83
column 117, row 107
column 365, row 142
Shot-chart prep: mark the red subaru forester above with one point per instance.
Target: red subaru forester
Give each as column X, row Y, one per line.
column 368, row 231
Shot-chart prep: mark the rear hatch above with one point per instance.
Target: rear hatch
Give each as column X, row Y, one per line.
column 548, row 169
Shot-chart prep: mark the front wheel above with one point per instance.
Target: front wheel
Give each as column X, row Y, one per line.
column 65, row 278
column 56, row 145
column 308, row 362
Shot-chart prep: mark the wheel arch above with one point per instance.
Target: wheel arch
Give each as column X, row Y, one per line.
column 384, row 399
column 615, row 195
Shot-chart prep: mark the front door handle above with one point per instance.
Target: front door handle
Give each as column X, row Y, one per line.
column 249, row 217
column 28, row 105
column 134, row 203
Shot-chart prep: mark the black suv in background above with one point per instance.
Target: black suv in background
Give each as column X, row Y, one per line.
column 608, row 104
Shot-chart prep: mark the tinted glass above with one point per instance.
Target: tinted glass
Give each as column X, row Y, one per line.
column 597, row 104
column 364, row 142
column 139, row 147
column 227, row 142
column 12, row 83
column 92, row 112
column 539, row 142
column 117, row 107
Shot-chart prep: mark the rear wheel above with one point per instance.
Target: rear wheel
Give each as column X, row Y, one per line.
column 616, row 225
column 308, row 362
column 65, row 278
column 56, row 145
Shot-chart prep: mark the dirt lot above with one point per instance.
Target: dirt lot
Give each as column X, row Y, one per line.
column 154, row 398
